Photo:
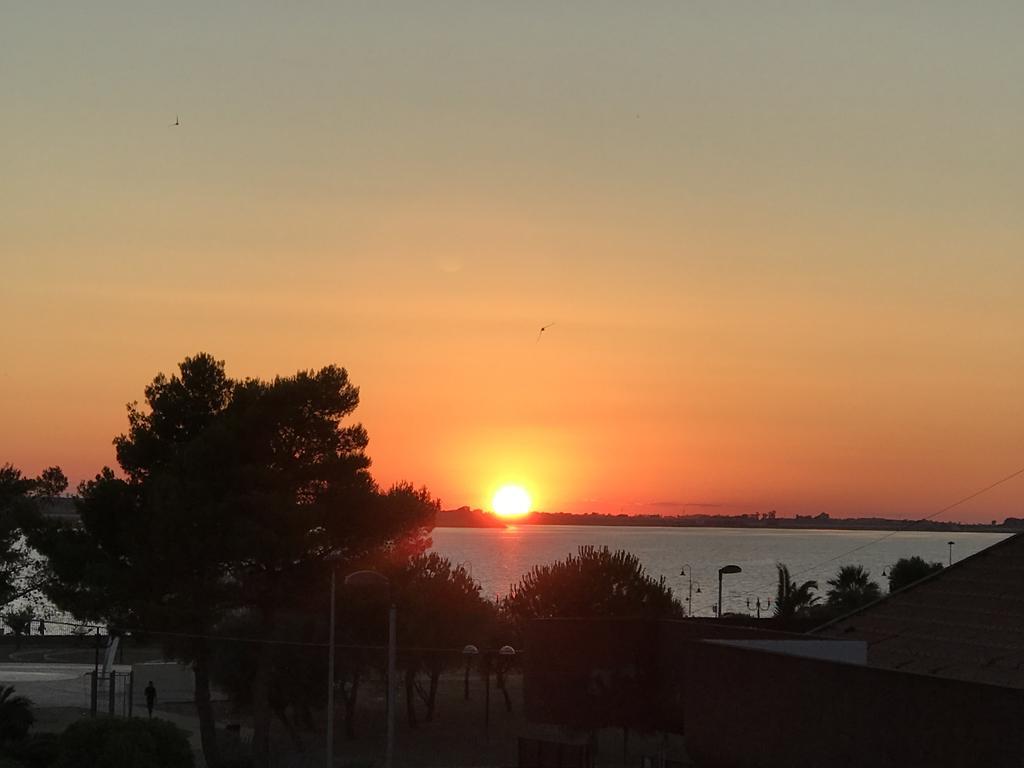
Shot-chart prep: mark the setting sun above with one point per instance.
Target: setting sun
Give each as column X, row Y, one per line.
column 511, row 501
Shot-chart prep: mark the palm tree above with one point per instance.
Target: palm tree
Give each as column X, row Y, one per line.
column 15, row 715
column 790, row 599
column 851, row 588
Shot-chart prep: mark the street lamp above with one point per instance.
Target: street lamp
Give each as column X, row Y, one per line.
column 721, row 572
column 372, row 579
column 469, row 652
column 332, row 559
column 689, row 596
column 951, row 543
column 758, row 605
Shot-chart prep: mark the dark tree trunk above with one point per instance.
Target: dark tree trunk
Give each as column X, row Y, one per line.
column 289, row 726
column 261, row 711
column 410, row 696
column 349, row 697
column 204, row 711
column 435, row 676
column 504, row 690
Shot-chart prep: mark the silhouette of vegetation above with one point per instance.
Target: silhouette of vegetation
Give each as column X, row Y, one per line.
column 851, row 588
column 593, row 582
column 907, row 570
column 15, row 716
column 18, row 515
column 793, row 600
column 20, row 622
column 440, row 608
column 51, row 483
column 114, row 742
column 235, row 493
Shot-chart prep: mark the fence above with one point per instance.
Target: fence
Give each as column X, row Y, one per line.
column 111, row 692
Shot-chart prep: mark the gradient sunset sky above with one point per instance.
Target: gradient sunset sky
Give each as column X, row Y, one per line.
column 782, row 244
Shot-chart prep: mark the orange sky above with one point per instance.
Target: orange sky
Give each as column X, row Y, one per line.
column 782, row 254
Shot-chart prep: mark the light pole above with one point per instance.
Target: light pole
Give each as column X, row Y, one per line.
column 372, row 579
column 758, row 606
column 330, row 678
column 721, row 572
column 469, row 652
column 951, row 543
column 689, row 596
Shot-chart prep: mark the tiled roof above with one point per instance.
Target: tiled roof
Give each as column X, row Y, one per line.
column 964, row 622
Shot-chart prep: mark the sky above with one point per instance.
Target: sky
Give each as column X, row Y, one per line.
column 780, row 243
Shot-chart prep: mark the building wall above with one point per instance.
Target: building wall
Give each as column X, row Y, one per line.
column 751, row 709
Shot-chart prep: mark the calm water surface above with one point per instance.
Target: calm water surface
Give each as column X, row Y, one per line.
column 499, row 557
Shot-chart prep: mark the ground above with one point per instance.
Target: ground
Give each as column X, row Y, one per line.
column 44, row 670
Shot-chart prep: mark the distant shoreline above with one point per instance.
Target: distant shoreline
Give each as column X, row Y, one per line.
column 466, row 518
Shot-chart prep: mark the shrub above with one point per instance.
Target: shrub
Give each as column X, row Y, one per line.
column 37, row 751
column 107, row 742
column 15, row 715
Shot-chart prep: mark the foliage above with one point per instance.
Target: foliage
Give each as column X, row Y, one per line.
column 15, row 715
column 109, row 742
column 38, row 750
column 51, row 483
column 792, row 600
column 907, row 570
column 20, row 621
column 593, row 582
column 851, row 588
column 235, row 492
column 428, row 587
column 18, row 514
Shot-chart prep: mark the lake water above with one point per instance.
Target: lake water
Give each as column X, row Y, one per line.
column 499, row 557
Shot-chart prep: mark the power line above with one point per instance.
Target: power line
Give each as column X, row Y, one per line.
column 890, row 534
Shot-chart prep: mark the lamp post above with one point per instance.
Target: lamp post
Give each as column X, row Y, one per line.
column 757, row 605
column 689, row 595
column 721, row 572
column 330, row 677
column 951, row 543
column 469, row 652
column 372, row 579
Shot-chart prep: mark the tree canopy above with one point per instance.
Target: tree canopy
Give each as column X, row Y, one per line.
column 593, row 582
column 18, row 515
column 791, row 599
column 234, row 494
column 907, row 570
column 851, row 588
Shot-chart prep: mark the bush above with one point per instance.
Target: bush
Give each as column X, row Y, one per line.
column 37, row 751
column 15, row 716
column 107, row 742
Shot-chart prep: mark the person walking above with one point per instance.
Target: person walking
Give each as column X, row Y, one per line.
column 150, row 697
column 41, row 628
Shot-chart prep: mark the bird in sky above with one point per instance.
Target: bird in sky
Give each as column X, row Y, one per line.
column 542, row 329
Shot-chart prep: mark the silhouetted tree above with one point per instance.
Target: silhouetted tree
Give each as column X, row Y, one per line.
column 594, row 582
column 851, row 588
column 792, row 600
column 441, row 611
column 907, row 570
column 235, row 493
column 51, row 483
column 18, row 515
column 152, row 548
